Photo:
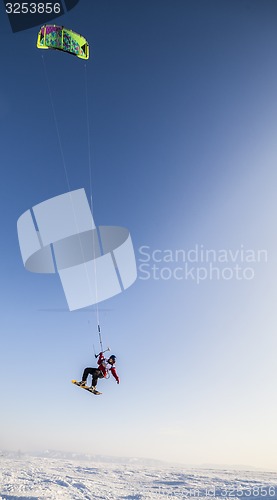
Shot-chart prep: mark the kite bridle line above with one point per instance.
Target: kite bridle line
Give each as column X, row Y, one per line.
column 94, row 231
column 67, row 177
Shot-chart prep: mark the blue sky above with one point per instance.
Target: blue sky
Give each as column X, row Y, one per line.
column 183, row 122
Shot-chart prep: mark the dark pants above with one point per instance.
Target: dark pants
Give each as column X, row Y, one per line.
column 96, row 374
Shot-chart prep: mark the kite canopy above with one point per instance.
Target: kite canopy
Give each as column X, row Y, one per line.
column 60, row 38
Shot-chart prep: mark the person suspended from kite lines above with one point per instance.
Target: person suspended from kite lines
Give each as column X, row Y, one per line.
column 63, row 39
column 105, row 365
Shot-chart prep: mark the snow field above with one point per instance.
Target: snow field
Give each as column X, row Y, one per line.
column 47, row 478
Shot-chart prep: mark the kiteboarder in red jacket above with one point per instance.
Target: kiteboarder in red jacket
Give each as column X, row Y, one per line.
column 105, row 365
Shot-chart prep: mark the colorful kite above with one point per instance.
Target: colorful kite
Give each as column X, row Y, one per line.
column 60, row 38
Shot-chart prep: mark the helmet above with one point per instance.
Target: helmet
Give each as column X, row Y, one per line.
column 113, row 357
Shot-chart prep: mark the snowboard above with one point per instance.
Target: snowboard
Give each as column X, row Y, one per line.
column 89, row 389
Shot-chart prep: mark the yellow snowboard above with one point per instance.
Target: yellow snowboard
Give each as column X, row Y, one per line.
column 93, row 391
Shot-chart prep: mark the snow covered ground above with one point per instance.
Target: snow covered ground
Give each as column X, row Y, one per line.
column 26, row 477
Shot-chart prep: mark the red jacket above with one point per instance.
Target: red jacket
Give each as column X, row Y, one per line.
column 104, row 366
